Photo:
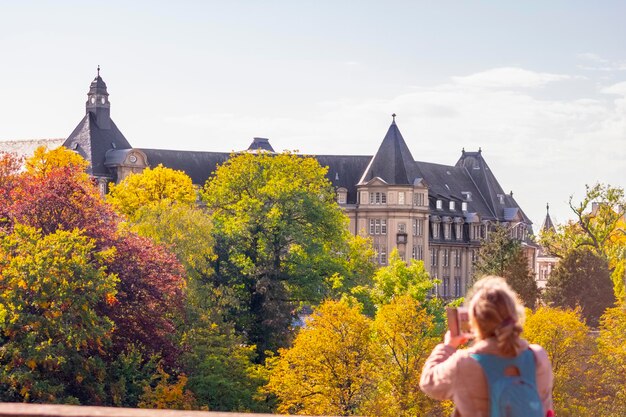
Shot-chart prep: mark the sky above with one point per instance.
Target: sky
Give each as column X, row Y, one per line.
column 539, row 86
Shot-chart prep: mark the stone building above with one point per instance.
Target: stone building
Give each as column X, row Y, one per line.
column 431, row 212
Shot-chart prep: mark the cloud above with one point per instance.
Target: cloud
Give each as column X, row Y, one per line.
column 597, row 63
column 618, row 89
column 509, row 77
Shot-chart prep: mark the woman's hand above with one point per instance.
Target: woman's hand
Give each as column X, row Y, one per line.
column 454, row 341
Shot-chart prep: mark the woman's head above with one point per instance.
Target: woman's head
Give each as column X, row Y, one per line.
column 495, row 311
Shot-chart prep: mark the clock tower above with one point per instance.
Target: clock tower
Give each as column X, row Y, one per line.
column 98, row 102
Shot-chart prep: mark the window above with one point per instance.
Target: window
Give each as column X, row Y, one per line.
column 446, row 230
column 439, row 205
column 446, row 286
column 457, row 286
column 378, row 226
column 458, row 231
column 501, row 198
column 435, row 227
column 457, row 258
column 418, row 199
column 401, row 227
column 418, row 252
column 433, row 257
column 401, row 198
column 417, row 227
column 464, row 206
column 452, row 205
column 383, row 226
column 341, row 197
column 475, row 232
column 473, row 257
column 381, row 254
column 378, row 198
column 445, row 257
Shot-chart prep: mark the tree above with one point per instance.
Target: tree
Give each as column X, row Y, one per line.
column 404, row 335
column 329, row 369
column 599, row 227
column 503, row 256
column 398, row 279
column 279, row 236
column 52, row 334
column 150, row 187
column 582, row 279
column 44, row 161
column 565, row 337
column 10, row 166
column 150, row 278
column 610, row 361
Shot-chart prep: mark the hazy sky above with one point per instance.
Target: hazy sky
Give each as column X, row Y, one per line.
column 539, row 85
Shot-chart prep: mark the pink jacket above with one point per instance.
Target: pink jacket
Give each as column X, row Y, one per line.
column 451, row 374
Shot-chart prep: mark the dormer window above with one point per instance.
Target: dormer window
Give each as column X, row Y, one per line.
column 467, row 195
column 464, row 206
column 342, row 195
column 501, row 198
column 452, row 205
column 439, row 205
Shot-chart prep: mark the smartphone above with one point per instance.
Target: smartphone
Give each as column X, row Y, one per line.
column 458, row 321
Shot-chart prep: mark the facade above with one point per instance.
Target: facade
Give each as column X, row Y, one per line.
column 430, row 212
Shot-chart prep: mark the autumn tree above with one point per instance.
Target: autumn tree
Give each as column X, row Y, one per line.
column 150, row 284
column 329, row 369
column 279, row 235
column 149, row 187
column 609, row 392
column 503, row 256
column 565, row 337
column 44, row 161
column 53, row 337
column 10, row 166
column 582, row 279
column 599, row 226
column 404, row 335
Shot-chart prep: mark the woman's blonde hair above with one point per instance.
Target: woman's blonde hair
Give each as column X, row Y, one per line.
column 495, row 311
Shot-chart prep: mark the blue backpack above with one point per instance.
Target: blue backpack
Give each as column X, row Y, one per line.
column 511, row 396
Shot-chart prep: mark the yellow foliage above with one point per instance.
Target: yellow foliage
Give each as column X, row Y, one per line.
column 329, row 369
column 166, row 395
column 44, row 160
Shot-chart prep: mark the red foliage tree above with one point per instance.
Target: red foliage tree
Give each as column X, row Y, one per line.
column 150, row 295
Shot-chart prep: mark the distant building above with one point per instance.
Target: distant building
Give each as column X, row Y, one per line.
column 546, row 262
column 431, row 212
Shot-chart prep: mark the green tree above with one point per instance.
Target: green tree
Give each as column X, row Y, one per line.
column 52, row 335
column 599, row 226
column 582, row 279
column 150, row 187
column 279, row 236
column 329, row 369
column 565, row 337
column 503, row 256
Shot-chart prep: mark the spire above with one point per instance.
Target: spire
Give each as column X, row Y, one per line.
column 547, row 223
column 98, row 102
column 393, row 162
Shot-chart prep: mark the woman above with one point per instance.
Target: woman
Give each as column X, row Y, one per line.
column 495, row 315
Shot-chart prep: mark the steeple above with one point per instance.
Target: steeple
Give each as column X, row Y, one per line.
column 393, row 162
column 547, row 223
column 98, row 102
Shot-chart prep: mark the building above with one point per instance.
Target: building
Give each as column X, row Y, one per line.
column 431, row 212
column 546, row 262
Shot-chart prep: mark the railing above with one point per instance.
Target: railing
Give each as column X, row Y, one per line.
column 47, row 410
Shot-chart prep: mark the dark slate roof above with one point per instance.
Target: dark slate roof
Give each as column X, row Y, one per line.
column 547, row 223
column 393, row 162
column 198, row 165
column 261, row 144
column 98, row 86
column 92, row 143
column 448, row 183
column 344, row 171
